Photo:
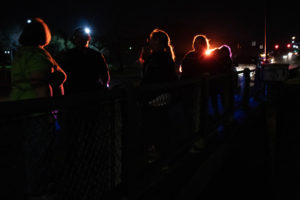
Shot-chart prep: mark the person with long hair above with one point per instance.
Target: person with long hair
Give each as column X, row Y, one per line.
column 159, row 62
column 158, row 68
column 225, row 86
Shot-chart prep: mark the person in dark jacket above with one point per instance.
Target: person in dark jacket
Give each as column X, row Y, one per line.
column 158, row 68
column 86, row 68
column 227, row 84
column 197, row 61
column 158, row 64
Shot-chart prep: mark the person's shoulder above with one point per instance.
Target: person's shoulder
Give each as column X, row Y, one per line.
column 32, row 50
column 71, row 51
column 189, row 54
column 94, row 52
column 39, row 54
column 68, row 52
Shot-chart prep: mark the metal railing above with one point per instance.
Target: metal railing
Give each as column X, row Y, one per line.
column 116, row 141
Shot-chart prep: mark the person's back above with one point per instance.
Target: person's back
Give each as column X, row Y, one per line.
column 27, row 61
column 224, row 60
column 34, row 72
column 224, row 85
column 194, row 66
column 86, row 68
column 159, row 68
column 195, row 63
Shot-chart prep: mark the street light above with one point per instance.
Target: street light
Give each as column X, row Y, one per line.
column 28, row 21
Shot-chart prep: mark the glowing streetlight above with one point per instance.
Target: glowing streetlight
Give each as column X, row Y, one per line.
column 28, row 21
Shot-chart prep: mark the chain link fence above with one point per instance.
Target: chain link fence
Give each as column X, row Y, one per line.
column 111, row 142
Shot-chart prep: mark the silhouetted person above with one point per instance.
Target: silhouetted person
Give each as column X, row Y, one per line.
column 223, row 85
column 158, row 59
column 225, row 59
column 86, row 68
column 34, row 73
column 158, row 68
column 196, row 62
column 228, row 87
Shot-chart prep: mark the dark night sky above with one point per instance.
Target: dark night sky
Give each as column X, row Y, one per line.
column 222, row 21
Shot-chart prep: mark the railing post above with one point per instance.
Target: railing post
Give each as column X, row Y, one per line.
column 246, row 89
column 232, row 89
column 130, row 129
column 205, row 104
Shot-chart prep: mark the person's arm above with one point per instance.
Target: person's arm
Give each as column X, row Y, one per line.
column 144, row 54
column 58, row 77
column 104, row 72
column 184, row 68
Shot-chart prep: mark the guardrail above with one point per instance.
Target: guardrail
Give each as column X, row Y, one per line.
column 116, row 141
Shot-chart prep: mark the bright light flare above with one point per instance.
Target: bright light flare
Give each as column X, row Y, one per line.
column 208, row 52
column 87, row 30
column 276, row 46
column 288, row 45
column 28, row 21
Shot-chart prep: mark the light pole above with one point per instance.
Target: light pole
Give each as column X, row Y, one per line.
column 265, row 38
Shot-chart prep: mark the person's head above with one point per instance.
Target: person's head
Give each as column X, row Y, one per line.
column 81, row 38
column 35, row 33
column 200, row 43
column 160, row 41
column 225, row 51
